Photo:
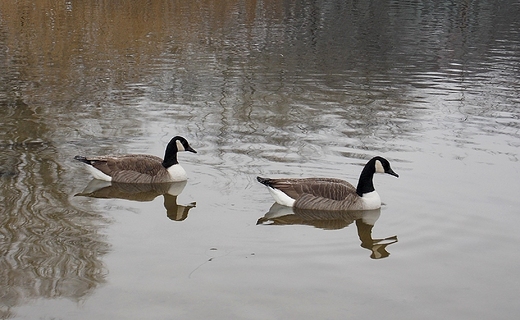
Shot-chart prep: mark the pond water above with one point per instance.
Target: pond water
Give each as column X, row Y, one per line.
column 269, row 88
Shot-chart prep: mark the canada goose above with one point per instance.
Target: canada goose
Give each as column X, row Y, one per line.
column 330, row 193
column 140, row 168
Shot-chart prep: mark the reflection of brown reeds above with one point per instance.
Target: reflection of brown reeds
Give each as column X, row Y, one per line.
column 98, row 49
column 114, row 28
column 84, row 57
column 48, row 248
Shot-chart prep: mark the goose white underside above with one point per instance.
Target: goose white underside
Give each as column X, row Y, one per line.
column 97, row 174
column 280, row 197
column 177, row 173
column 371, row 200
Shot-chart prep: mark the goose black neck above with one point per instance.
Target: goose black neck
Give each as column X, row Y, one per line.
column 170, row 162
column 365, row 183
column 170, row 155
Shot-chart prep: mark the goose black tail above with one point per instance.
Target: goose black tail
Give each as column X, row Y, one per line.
column 82, row 159
column 264, row 181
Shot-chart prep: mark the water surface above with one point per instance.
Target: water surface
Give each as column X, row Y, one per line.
column 260, row 88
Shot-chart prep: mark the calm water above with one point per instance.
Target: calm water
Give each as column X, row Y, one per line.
column 272, row 88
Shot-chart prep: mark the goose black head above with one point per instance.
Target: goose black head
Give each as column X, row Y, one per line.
column 175, row 145
column 382, row 165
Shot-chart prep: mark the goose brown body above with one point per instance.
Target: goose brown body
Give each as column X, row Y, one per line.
column 137, row 168
column 140, row 168
column 331, row 193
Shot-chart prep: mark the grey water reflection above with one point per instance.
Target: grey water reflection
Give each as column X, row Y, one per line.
column 142, row 192
column 333, row 220
column 48, row 248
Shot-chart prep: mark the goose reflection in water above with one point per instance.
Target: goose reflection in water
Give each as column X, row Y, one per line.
column 142, row 192
column 333, row 220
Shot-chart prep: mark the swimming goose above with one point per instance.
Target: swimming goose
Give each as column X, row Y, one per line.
column 140, row 168
column 330, row 193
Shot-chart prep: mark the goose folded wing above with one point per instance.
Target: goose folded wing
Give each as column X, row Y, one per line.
column 317, row 187
column 310, row 202
column 142, row 164
column 334, row 190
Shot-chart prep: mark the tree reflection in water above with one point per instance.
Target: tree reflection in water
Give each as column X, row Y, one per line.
column 48, row 248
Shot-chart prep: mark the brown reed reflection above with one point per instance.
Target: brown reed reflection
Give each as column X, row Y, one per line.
column 142, row 192
column 333, row 220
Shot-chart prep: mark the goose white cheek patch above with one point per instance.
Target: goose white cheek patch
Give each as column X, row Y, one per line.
column 379, row 167
column 180, row 147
